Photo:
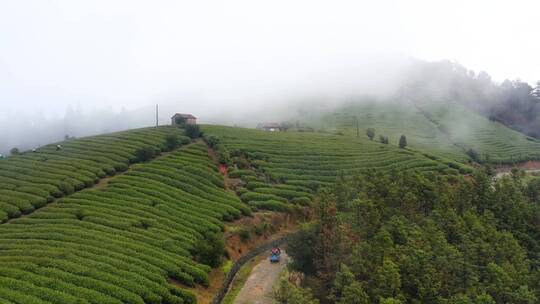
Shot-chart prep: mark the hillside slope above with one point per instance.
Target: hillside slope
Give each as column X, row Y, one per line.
column 33, row 179
column 492, row 140
column 445, row 129
column 284, row 168
column 121, row 243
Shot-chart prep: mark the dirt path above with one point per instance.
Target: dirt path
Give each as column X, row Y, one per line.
column 528, row 167
column 505, row 173
column 259, row 285
column 230, row 183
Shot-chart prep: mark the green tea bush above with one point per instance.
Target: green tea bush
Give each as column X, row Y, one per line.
column 272, row 205
column 303, row 200
column 146, row 153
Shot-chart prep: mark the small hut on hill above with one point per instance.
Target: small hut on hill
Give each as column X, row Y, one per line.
column 271, row 126
column 183, row 119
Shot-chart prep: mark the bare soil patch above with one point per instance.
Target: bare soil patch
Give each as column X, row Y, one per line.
column 528, row 165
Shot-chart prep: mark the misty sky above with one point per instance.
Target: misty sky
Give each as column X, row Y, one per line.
column 237, row 53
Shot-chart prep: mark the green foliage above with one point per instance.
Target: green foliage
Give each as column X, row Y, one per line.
column 417, row 239
column 211, row 140
column 261, row 228
column 301, row 200
column 145, row 153
column 383, row 139
column 209, row 250
column 271, row 205
column 301, row 250
column 287, row 293
column 193, row 131
column 172, row 141
column 290, row 167
column 14, row 151
column 533, row 190
column 402, row 141
column 474, row 155
column 122, row 243
column 370, row 132
column 245, row 234
column 344, row 278
column 387, row 280
column 354, row 294
column 434, row 127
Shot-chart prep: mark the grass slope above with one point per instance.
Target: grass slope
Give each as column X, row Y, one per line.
column 121, row 243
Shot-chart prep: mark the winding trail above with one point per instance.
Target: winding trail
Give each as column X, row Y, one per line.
column 259, row 285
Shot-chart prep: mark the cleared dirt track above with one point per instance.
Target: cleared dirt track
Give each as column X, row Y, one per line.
column 259, row 285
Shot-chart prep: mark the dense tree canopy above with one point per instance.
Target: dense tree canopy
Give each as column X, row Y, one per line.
column 412, row 238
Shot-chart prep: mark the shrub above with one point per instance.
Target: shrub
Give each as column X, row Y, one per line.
column 209, row 250
column 212, row 141
column 240, row 173
column 403, row 142
column 241, row 162
column 172, row 141
column 254, row 196
column 193, row 131
column 145, row 153
column 244, row 234
column 66, row 188
column 80, row 214
column 304, row 201
column 474, row 155
column 241, row 190
column 271, row 205
column 15, row 151
column 261, row 228
column 370, row 132
column 185, row 140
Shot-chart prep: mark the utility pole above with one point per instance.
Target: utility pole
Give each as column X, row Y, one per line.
column 357, row 127
column 157, row 117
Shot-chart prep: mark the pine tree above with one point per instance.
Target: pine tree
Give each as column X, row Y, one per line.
column 402, row 141
column 370, row 132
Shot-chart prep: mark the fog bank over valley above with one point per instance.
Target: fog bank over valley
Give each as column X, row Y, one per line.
column 69, row 68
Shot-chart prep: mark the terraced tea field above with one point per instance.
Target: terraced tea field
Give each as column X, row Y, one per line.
column 446, row 130
column 393, row 120
column 289, row 166
column 121, row 243
column 494, row 141
column 33, row 179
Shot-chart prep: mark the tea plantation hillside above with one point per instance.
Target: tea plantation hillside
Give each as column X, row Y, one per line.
column 284, row 168
column 447, row 130
column 33, row 179
column 135, row 236
column 121, row 243
column 392, row 121
column 493, row 141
